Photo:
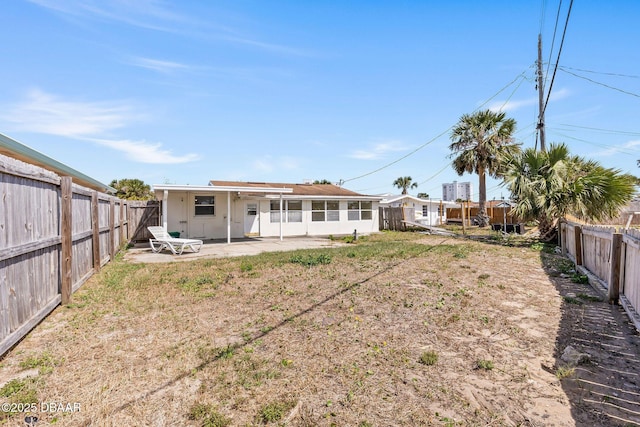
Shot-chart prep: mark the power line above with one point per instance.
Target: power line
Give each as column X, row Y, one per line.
column 623, row 150
column 435, row 174
column 601, row 84
column 620, row 132
column 543, row 5
column 599, row 72
column 555, row 69
column 553, row 40
column 519, row 76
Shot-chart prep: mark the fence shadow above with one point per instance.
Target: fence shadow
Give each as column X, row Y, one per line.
column 604, row 388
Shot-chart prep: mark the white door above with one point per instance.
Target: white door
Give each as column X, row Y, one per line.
column 251, row 219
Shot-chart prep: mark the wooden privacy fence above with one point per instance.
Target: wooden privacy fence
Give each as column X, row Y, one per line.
column 391, row 218
column 53, row 236
column 496, row 215
column 611, row 257
column 142, row 214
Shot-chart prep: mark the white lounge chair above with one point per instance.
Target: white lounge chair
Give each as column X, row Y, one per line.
column 163, row 240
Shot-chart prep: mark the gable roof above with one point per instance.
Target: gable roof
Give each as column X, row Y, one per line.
column 307, row 190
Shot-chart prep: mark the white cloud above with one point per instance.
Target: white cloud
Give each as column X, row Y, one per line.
column 508, row 105
column 87, row 121
column 158, row 65
column 44, row 113
column 144, row 152
column 378, row 151
column 155, row 15
column 148, row 14
column 617, row 149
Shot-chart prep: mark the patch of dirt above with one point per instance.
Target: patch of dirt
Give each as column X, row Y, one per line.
column 339, row 343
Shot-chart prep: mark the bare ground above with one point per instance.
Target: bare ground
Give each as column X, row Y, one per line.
column 351, row 342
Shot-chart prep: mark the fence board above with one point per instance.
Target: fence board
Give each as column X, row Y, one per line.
column 630, row 273
column 142, row 214
column 28, row 282
column 30, row 210
column 596, row 251
column 569, row 240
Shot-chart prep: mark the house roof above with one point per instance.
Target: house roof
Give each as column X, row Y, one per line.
column 299, row 190
column 16, row 150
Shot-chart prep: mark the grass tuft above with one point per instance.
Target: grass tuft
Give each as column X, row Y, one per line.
column 274, row 411
column 311, row 260
column 428, row 358
column 208, row 416
column 483, row 364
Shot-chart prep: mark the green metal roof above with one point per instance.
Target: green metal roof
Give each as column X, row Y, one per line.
column 12, row 148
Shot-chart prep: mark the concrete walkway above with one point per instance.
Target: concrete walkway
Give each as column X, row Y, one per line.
column 238, row 247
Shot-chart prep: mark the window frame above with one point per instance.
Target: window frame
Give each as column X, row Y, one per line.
column 289, row 214
column 330, row 211
column 360, row 210
column 211, row 205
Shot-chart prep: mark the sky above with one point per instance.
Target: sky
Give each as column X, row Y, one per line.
column 358, row 92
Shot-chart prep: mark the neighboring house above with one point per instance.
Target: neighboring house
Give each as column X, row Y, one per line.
column 427, row 211
column 233, row 209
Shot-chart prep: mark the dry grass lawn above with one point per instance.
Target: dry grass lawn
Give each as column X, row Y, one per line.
column 398, row 329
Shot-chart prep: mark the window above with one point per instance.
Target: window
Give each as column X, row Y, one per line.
column 292, row 210
column 325, row 210
column 425, row 210
column 366, row 211
column 205, row 205
column 354, row 211
column 359, row 211
column 317, row 210
column 252, row 209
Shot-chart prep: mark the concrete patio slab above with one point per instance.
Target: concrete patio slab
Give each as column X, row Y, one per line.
column 238, row 247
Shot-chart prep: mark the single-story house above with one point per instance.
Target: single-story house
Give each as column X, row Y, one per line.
column 427, row 211
column 234, row 209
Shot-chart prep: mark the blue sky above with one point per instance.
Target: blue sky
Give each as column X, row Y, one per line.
column 281, row 91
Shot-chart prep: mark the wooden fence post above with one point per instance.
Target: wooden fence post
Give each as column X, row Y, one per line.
column 95, row 228
column 123, row 223
column 464, row 229
column 614, row 277
column 112, row 229
column 578, row 238
column 66, row 239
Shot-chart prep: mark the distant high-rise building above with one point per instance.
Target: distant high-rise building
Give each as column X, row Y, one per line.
column 456, row 190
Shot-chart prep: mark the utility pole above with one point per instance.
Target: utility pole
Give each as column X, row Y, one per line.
column 540, row 125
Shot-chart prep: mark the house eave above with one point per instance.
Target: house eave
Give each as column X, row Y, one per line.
column 12, row 148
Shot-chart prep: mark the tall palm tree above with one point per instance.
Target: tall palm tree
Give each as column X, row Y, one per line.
column 405, row 182
column 548, row 186
column 480, row 142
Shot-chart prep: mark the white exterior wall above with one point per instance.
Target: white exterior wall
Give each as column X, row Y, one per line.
column 432, row 218
column 317, row 228
column 181, row 217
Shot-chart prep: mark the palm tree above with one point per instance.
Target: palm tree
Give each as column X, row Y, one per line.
column 480, row 142
column 132, row 189
column 405, row 182
column 549, row 185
